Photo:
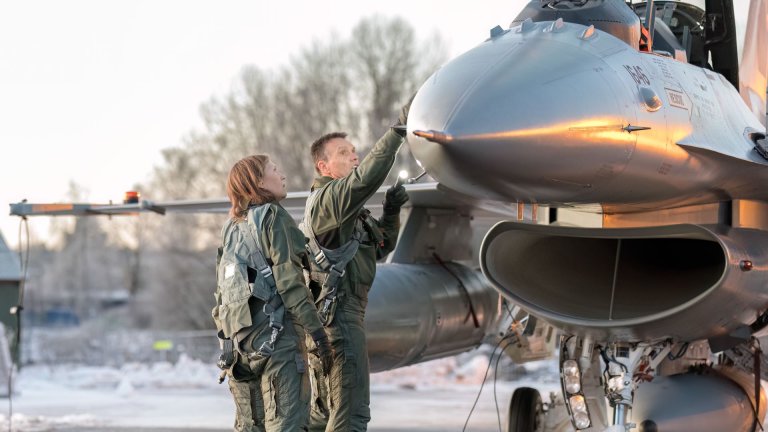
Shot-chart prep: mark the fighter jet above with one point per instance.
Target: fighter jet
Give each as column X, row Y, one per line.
column 629, row 112
column 632, row 111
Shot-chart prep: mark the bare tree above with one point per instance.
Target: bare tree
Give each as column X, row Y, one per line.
column 354, row 84
column 389, row 66
column 167, row 265
column 86, row 271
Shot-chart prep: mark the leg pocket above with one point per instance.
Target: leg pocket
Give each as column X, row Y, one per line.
column 284, row 406
column 249, row 408
column 349, row 370
column 319, row 386
column 271, row 398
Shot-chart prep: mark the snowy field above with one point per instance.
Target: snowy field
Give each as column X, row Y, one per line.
column 433, row 396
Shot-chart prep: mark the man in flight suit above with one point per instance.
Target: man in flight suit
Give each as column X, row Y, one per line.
column 341, row 401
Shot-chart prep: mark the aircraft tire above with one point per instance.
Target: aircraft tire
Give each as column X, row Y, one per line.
column 525, row 410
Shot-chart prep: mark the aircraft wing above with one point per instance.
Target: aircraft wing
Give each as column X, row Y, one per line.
column 437, row 251
column 25, row 209
column 435, row 221
column 427, row 195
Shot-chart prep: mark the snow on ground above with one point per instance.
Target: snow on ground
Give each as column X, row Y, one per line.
column 436, row 395
column 184, row 394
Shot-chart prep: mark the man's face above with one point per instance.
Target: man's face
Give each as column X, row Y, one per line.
column 340, row 159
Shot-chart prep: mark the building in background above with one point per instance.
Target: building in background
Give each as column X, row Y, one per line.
column 10, row 283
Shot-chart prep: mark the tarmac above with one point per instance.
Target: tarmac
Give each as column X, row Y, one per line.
column 392, row 411
column 425, row 407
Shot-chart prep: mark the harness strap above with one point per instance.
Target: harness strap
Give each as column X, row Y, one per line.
column 273, row 303
column 333, row 262
column 255, row 221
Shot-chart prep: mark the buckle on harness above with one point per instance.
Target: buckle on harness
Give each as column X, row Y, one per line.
column 266, row 272
column 332, row 278
column 265, row 350
column 268, row 347
column 337, row 272
column 327, row 305
column 320, row 258
column 326, row 312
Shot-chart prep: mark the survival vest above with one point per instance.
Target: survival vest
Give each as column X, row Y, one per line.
column 328, row 265
column 243, row 272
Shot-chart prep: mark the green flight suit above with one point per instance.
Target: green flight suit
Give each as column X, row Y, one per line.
column 272, row 394
column 341, row 402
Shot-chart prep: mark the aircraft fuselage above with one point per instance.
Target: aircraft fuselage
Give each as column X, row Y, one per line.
column 558, row 113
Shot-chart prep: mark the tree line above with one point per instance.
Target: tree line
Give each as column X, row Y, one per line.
column 166, row 266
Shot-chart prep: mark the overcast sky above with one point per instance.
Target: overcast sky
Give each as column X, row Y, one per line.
column 91, row 91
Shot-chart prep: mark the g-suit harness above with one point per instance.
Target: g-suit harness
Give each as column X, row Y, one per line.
column 242, row 267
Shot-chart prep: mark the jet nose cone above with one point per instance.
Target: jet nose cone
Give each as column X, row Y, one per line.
column 522, row 117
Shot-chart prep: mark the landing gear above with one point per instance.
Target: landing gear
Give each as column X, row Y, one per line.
column 619, row 369
column 525, row 410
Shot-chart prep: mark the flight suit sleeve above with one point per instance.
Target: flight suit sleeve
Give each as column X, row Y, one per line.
column 215, row 315
column 217, row 294
column 346, row 196
column 285, row 246
column 389, row 225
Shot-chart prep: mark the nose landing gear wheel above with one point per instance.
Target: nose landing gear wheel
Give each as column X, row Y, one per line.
column 525, row 410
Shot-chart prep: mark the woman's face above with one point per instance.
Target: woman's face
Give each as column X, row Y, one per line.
column 274, row 181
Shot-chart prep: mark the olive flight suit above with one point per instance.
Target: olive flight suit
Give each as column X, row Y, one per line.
column 271, row 393
column 341, row 402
